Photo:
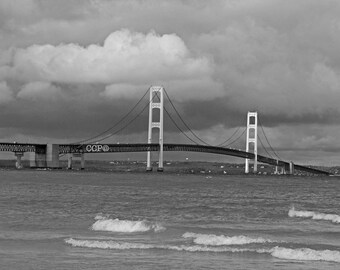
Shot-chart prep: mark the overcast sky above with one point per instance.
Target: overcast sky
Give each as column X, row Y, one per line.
column 69, row 69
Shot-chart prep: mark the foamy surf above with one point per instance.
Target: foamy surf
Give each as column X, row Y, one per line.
column 305, row 254
column 222, row 240
column 126, row 245
column 301, row 254
column 314, row 215
column 124, row 226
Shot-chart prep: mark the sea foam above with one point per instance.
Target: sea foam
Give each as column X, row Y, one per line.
column 125, row 226
column 222, row 240
column 314, row 215
column 126, row 245
column 305, row 254
column 301, row 254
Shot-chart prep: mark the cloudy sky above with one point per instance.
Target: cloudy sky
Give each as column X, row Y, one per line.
column 69, row 69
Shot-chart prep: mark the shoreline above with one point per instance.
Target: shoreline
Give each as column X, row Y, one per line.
column 170, row 167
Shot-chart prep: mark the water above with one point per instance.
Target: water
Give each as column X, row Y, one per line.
column 87, row 220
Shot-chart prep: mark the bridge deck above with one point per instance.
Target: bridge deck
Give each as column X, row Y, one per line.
column 140, row 147
column 143, row 147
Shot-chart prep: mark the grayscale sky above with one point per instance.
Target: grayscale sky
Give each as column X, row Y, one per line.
column 69, row 69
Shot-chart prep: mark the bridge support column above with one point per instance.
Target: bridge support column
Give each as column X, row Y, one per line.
column 251, row 139
column 82, row 161
column 46, row 157
column 156, row 102
column 283, row 170
column 291, row 168
column 76, row 155
column 52, row 156
column 277, row 167
column 18, row 163
column 38, row 160
column 69, row 162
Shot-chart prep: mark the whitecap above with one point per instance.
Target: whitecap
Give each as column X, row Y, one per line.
column 305, row 254
column 126, row 226
column 221, row 240
column 301, row 254
column 127, row 245
column 314, row 215
column 106, row 244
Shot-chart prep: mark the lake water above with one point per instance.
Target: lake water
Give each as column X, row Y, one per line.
column 88, row 220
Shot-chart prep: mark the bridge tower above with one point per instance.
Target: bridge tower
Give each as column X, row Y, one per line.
column 156, row 102
column 251, row 139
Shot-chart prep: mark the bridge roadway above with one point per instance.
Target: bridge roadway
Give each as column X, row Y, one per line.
column 144, row 147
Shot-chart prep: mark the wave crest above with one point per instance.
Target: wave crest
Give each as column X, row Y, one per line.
column 314, row 215
column 301, row 254
column 126, row 245
column 306, row 254
column 222, row 240
column 125, row 226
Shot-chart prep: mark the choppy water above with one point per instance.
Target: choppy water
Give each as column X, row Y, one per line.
column 85, row 220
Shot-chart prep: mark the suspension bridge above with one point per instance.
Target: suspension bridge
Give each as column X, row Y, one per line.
column 48, row 155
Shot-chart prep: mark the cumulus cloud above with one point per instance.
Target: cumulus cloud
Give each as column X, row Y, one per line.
column 124, row 56
column 125, row 62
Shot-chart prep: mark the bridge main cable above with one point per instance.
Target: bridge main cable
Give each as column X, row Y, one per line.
column 116, row 124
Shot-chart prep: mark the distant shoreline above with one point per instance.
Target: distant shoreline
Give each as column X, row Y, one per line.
column 170, row 167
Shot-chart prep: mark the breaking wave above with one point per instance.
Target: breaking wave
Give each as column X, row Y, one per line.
column 126, row 245
column 221, row 240
column 125, row 226
column 314, row 215
column 301, row 254
column 306, row 254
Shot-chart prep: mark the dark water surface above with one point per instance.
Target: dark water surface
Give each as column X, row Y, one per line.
column 86, row 220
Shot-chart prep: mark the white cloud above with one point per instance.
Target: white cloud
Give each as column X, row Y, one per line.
column 124, row 57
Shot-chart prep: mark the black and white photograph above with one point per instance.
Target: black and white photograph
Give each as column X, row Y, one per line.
column 169, row 134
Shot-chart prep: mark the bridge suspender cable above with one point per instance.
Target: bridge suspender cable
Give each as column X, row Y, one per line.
column 128, row 124
column 173, row 121
column 177, row 126
column 265, row 149
column 194, row 134
column 185, row 124
column 116, row 124
column 268, row 141
column 227, row 140
column 235, row 139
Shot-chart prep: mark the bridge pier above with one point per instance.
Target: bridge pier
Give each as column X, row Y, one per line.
column 283, row 170
column 38, row 160
column 18, row 163
column 148, row 162
column 76, row 155
column 46, row 157
column 52, row 155
column 69, row 162
column 291, row 168
column 82, row 161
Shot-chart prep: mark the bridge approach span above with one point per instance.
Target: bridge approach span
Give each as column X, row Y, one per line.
column 23, row 147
